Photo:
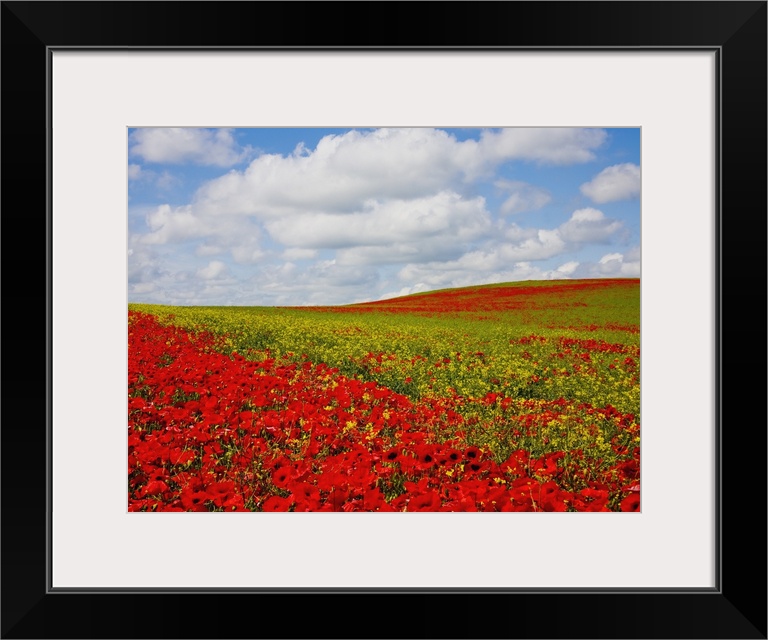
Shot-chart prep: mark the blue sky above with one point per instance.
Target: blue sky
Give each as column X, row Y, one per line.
column 272, row 216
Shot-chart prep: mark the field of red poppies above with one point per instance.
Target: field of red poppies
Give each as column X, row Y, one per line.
column 516, row 397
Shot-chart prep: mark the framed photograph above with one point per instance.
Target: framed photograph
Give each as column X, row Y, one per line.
column 94, row 95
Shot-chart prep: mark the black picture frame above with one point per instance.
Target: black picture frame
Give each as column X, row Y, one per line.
column 736, row 608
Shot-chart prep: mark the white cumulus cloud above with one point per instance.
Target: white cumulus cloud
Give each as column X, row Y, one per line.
column 512, row 255
column 345, row 171
column 383, row 223
column 619, row 182
column 619, row 265
column 239, row 236
column 215, row 270
column 523, row 197
column 587, row 226
column 187, row 145
column 556, row 145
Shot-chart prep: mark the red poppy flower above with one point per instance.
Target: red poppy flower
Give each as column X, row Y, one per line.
column 361, row 477
column 393, row 455
column 156, row 487
column 407, row 463
column 331, row 478
column 429, row 501
column 399, row 503
column 277, row 463
column 495, row 499
column 282, row 477
column 590, row 499
column 425, row 457
column 472, row 454
column 353, row 505
column 179, row 456
column 550, row 461
column 459, row 505
column 453, row 456
column 220, row 491
column 194, row 500
column 516, row 464
column 137, row 505
column 520, row 500
column 551, row 498
column 522, row 494
column 373, row 500
column 276, row 503
column 475, row 467
column 631, row 502
column 234, row 503
column 629, row 470
column 337, row 498
column 306, row 496
column 245, row 419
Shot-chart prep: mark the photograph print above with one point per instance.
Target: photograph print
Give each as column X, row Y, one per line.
column 383, row 319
